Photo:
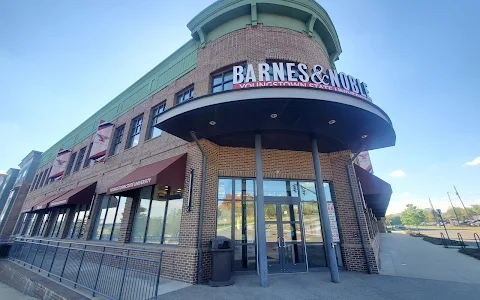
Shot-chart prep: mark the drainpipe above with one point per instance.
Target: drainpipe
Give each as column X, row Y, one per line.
column 202, row 201
column 357, row 214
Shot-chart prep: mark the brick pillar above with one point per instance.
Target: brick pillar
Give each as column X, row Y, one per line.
column 127, row 222
column 350, row 232
column 67, row 220
column 87, row 235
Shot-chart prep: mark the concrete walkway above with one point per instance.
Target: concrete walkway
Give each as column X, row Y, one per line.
column 353, row 286
column 403, row 255
column 7, row 292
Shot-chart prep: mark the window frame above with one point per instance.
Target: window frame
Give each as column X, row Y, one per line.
column 88, row 161
column 52, row 234
column 72, row 234
column 80, row 158
column 32, row 187
column 168, row 198
column 223, row 82
column 98, row 215
column 117, row 140
column 133, row 127
column 71, row 163
column 151, row 121
column 191, row 91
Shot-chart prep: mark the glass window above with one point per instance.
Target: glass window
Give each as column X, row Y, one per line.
column 109, row 218
column 156, row 112
column 20, row 223
column 70, row 164
column 43, row 224
column 135, row 128
column 225, row 189
column 77, row 227
column 88, row 162
column 28, row 223
column 81, row 155
column 44, row 178
column 224, row 218
column 32, row 187
column 185, row 95
column 47, row 178
column 222, row 81
column 6, row 207
column 157, row 219
column 277, row 188
column 55, row 232
column 117, row 140
column 32, row 225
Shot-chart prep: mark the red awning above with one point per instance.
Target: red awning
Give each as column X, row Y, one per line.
column 376, row 192
column 79, row 195
column 170, row 171
column 41, row 203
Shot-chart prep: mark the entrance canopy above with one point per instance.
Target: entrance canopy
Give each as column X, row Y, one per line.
column 287, row 118
column 79, row 195
column 170, row 171
column 376, row 192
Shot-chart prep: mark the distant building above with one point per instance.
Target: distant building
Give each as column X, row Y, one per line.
column 6, row 185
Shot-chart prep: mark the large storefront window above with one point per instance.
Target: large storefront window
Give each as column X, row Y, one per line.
column 236, row 218
column 43, row 224
column 6, row 207
column 57, row 225
column 158, row 214
column 77, row 227
column 109, row 218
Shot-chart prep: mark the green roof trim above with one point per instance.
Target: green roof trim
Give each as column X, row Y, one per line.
column 225, row 16
column 173, row 67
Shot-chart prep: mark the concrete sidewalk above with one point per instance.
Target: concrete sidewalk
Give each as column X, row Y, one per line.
column 353, row 286
column 7, row 292
column 403, row 255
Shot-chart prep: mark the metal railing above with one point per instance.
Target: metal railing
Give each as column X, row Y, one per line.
column 477, row 239
column 460, row 238
column 444, row 241
column 113, row 272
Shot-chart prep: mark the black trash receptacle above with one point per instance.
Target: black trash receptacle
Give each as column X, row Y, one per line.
column 222, row 256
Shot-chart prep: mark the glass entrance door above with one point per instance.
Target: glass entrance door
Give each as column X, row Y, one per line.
column 285, row 240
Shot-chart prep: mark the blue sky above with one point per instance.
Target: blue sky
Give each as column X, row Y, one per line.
column 419, row 59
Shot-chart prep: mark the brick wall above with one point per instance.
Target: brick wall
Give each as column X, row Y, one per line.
column 251, row 45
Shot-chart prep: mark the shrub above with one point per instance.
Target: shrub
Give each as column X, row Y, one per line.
column 473, row 252
column 438, row 241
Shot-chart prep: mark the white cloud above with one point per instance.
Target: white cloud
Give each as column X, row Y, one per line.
column 397, row 173
column 3, row 172
column 474, row 162
column 406, row 194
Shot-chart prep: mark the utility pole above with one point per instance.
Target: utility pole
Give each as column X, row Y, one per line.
column 456, row 216
column 433, row 210
column 458, row 195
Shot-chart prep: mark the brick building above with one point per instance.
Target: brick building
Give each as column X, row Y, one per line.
column 175, row 160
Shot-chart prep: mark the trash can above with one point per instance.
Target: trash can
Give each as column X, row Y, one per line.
column 222, row 256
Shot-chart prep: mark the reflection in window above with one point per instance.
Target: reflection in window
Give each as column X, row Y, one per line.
column 157, row 219
column 117, row 140
column 55, row 231
column 152, row 130
column 109, row 218
column 43, row 224
column 242, row 209
column 222, row 81
column 185, row 95
column 77, row 228
column 135, row 128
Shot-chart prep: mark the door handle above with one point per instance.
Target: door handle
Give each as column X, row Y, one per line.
column 284, row 244
column 279, row 240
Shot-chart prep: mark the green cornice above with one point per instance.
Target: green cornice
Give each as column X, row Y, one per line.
column 314, row 17
column 173, row 67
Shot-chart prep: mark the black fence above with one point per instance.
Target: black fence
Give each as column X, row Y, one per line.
column 113, row 272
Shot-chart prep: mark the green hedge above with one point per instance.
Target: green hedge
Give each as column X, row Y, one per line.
column 473, row 252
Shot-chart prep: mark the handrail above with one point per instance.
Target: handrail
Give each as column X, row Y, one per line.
column 461, row 240
column 88, row 244
column 116, row 276
column 477, row 239
column 444, row 241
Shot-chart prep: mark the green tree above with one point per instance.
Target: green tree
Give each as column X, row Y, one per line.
column 430, row 217
column 412, row 216
column 450, row 214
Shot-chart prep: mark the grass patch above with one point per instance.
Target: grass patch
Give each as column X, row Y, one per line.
column 438, row 241
column 473, row 252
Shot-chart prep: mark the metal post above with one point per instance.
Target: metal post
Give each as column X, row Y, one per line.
column 98, row 273
column 53, row 259
column 65, row 264
column 158, row 275
column 454, row 211
column 260, row 215
column 35, row 256
column 79, row 266
column 322, row 201
column 458, row 195
column 28, row 253
column 443, row 223
column 123, row 276
column 43, row 258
